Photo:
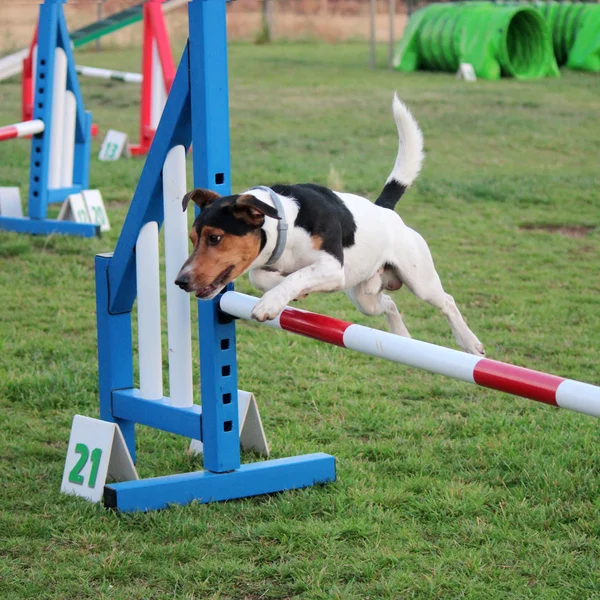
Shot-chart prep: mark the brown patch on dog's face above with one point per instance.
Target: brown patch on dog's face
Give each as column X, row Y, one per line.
column 317, row 241
column 217, row 259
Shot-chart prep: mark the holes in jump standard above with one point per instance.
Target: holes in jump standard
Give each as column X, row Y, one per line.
column 228, row 426
column 219, row 178
column 225, row 344
column 227, row 398
column 226, row 371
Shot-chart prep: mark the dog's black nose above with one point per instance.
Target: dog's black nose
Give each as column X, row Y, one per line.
column 182, row 281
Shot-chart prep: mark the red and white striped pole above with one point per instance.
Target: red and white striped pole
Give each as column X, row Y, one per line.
column 519, row 381
column 19, row 130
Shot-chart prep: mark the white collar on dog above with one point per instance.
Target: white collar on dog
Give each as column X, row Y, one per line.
column 282, row 226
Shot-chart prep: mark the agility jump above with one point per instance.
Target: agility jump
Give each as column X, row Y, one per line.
column 197, row 111
column 60, row 139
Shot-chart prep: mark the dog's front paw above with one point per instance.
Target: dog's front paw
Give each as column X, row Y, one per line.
column 476, row 348
column 267, row 308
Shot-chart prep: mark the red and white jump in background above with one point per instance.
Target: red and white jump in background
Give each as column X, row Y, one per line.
column 158, row 73
column 534, row 385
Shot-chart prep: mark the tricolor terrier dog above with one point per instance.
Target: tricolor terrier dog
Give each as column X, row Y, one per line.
column 297, row 239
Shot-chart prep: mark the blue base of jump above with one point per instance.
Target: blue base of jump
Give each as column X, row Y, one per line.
column 48, row 226
column 203, row 486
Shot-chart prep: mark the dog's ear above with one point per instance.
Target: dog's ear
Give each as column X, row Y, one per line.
column 200, row 198
column 252, row 210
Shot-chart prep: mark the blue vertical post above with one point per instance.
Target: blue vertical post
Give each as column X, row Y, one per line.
column 115, row 352
column 42, row 107
column 83, row 120
column 210, row 133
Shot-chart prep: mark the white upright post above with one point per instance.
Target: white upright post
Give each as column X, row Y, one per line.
column 178, row 302
column 58, row 115
column 68, row 150
column 148, row 299
column 159, row 90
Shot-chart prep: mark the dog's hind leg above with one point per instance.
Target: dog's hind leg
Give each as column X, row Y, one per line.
column 430, row 290
column 414, row 268
column 378, row 304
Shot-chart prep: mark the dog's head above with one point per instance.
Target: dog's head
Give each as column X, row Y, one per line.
column 227, row 238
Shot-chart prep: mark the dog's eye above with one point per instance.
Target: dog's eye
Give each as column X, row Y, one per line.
column 213, row 240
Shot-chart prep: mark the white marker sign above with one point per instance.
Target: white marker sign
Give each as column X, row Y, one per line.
column 466, row 72
column 95, row 208
column 97, row 452
column 114, row 146
column 10, row 202
column 74, row 209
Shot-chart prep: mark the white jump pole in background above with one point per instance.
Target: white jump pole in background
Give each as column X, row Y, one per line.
column 159, row 92
column 108, row 74
column 148, row 305
column 178, row 301
column 58, row 116
column 68, row 149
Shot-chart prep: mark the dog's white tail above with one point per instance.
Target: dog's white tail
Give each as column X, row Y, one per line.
column 409, row 159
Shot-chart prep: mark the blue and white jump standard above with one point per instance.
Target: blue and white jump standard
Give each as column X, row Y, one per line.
column 60, row 149
column 196, row 111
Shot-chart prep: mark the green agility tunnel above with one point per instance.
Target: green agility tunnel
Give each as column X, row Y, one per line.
column 575, row 29
column 509, row 40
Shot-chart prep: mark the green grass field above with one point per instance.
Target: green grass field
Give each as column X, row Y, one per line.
column 444, row 490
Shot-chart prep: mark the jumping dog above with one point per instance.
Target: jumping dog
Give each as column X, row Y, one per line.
column 297, row 239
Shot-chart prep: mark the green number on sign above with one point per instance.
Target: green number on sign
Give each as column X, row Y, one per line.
column 111, row 150
column 98, row 215
column 96, row 454
column 75, row 474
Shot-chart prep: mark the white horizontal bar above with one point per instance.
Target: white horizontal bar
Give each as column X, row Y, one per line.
column 109, row 74
column 23, row 129
column 578, row 396
column 414, row 353
column 241, row 305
